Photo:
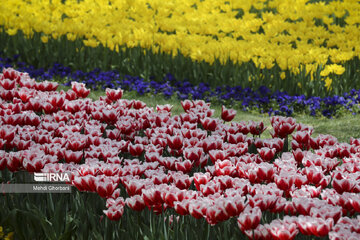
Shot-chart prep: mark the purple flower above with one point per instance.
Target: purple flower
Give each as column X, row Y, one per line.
column 262, row 99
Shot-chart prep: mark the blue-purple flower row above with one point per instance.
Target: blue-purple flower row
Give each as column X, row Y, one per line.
column 273, row 103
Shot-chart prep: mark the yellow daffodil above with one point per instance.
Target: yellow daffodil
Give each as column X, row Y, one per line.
column 333, row 68
column 282, row 75
column 328, row 82
column 44, row 39
column 91, row 42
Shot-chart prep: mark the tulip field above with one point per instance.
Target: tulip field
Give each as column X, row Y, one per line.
column 303, row 47
column 143, row 173
column 182, row 120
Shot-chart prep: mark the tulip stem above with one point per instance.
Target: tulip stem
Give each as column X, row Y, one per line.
column 165, row 220
column 286, row 144
column 208, row 231
column 151, row 228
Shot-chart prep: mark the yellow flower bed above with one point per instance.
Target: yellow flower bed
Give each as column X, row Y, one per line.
column 290, row 33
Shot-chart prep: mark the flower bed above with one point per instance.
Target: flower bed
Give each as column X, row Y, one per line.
column 308, row 47
column 262, row 100
column 192, row 164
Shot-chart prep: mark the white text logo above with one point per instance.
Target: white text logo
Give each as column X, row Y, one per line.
column 52, row 177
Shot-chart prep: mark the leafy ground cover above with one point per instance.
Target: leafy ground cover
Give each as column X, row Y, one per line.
column 148, row 173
